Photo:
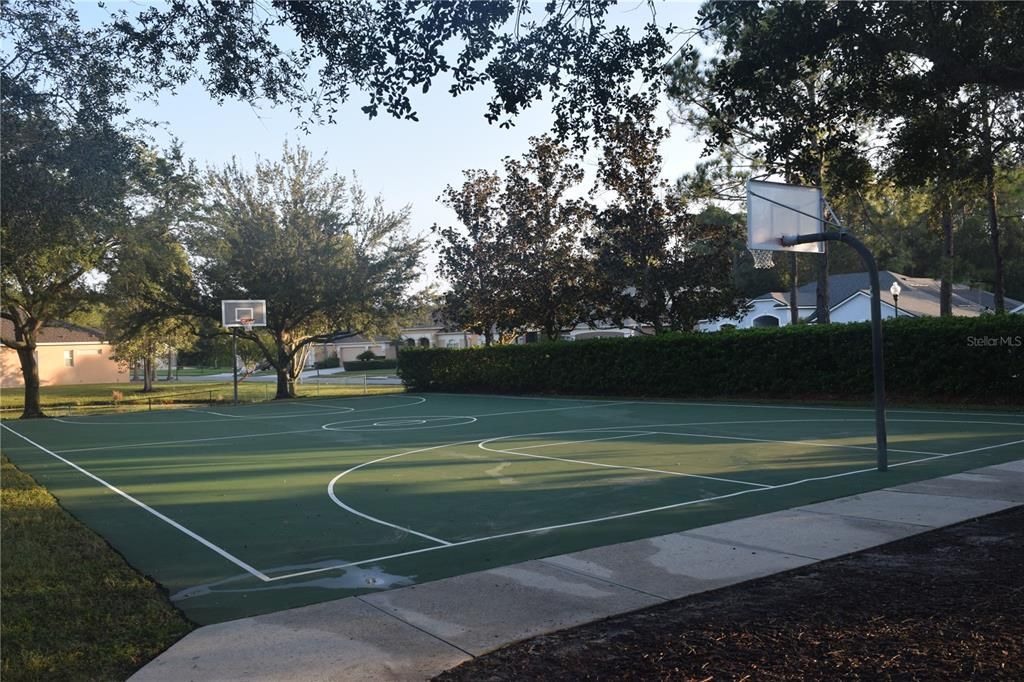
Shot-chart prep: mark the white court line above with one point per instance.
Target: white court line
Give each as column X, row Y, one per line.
column 317, row 409
column 444, row 544
column 337, row 501
column 219, row 414
column 198, row 538
column 188, row 441
column 677, row 505
column 483, row 446
column 638, row 512
column 987, row 447
column 340, row 409
column 555, row 409
column 791, row 442
column 241, row 435
column 743, row 405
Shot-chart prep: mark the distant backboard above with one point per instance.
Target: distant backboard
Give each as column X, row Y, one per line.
column 776, row 210
column 238, row 313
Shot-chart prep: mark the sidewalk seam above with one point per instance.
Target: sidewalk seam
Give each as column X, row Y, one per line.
column 414, row 626
column 547, row 562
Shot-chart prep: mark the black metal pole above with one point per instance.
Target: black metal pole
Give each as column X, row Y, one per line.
column 876, row 329
column 234, row 361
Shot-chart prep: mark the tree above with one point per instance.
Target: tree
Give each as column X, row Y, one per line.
column 327, row 260
column 887, row 63
column 149, row 257
column 570, row 54
column 476, row 259
column 659, row 266
column 553, row 276
column 66, row 166
column 517, row 264
column 766, row 98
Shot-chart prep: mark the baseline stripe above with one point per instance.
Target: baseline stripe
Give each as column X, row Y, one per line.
column 166, row 519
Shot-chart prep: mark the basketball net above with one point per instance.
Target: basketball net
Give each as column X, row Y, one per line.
column 247, row 323
column 763, row 260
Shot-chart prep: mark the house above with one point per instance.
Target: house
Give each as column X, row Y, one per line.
column 433, row 333
column 348, row 349
column 67, row 354
column 428, row 333
column 850, row 296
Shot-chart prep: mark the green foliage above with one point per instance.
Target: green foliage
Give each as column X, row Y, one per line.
column 568, row 54
column 367, row 355
column 74, row 173
column 325, row 258
column 473, row 258
column 922, row 94
column 328, row 363
column 364, row 365
column 516, row 262
column 73, row 609
column 655, row 264
column 929, row 359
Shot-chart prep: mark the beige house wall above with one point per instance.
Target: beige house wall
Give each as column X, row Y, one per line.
column 349, row 352
column 92, row 365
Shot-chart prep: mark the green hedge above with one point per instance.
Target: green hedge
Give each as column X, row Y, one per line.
column 950, row 359
column 363, row 365
column 328, row 362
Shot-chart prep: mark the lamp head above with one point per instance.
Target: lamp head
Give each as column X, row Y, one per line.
column 895, row 289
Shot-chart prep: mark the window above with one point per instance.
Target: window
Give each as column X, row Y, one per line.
column 69, row 358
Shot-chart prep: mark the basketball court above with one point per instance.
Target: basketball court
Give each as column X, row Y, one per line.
column 251, row 509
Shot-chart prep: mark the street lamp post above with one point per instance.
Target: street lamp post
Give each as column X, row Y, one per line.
column 895, row 291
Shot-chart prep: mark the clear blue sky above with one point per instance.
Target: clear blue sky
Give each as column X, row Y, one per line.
column 406, row 162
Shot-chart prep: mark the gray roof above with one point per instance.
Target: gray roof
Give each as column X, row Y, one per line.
column 58, row 332
column 919, row 295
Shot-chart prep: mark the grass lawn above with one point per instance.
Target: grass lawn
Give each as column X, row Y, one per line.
column 130, row 396
column 71, row 608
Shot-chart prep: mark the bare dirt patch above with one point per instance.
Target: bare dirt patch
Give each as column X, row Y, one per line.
column 948, row 604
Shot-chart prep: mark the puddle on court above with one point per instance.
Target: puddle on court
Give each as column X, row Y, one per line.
column 354, row 578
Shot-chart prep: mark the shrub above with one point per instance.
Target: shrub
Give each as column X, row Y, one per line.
column 367, row 355
column 977, row 359
column 328, row 363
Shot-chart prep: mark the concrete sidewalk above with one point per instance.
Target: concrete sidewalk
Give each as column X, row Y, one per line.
column 416, row 632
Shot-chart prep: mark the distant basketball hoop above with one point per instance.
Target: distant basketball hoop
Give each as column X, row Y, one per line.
column 241, row 314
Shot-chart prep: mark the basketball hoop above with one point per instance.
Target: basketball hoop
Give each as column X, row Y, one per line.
column 247, row 322
column 763, row 260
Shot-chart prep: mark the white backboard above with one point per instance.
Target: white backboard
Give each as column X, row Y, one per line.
column 776, row 210
column 232, row 312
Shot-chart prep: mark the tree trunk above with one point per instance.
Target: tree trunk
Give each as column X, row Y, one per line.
column 946, row 285
column 170, row 364
column 285, row 386
column 997, row 255
column 284, row 369
column 147, row 374
column 30, row 374
column 822, row 303
column 989, row 154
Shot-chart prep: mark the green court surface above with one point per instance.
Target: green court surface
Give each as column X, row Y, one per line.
column 255, row 508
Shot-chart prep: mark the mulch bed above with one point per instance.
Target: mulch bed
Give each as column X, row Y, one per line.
column 948, row 604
